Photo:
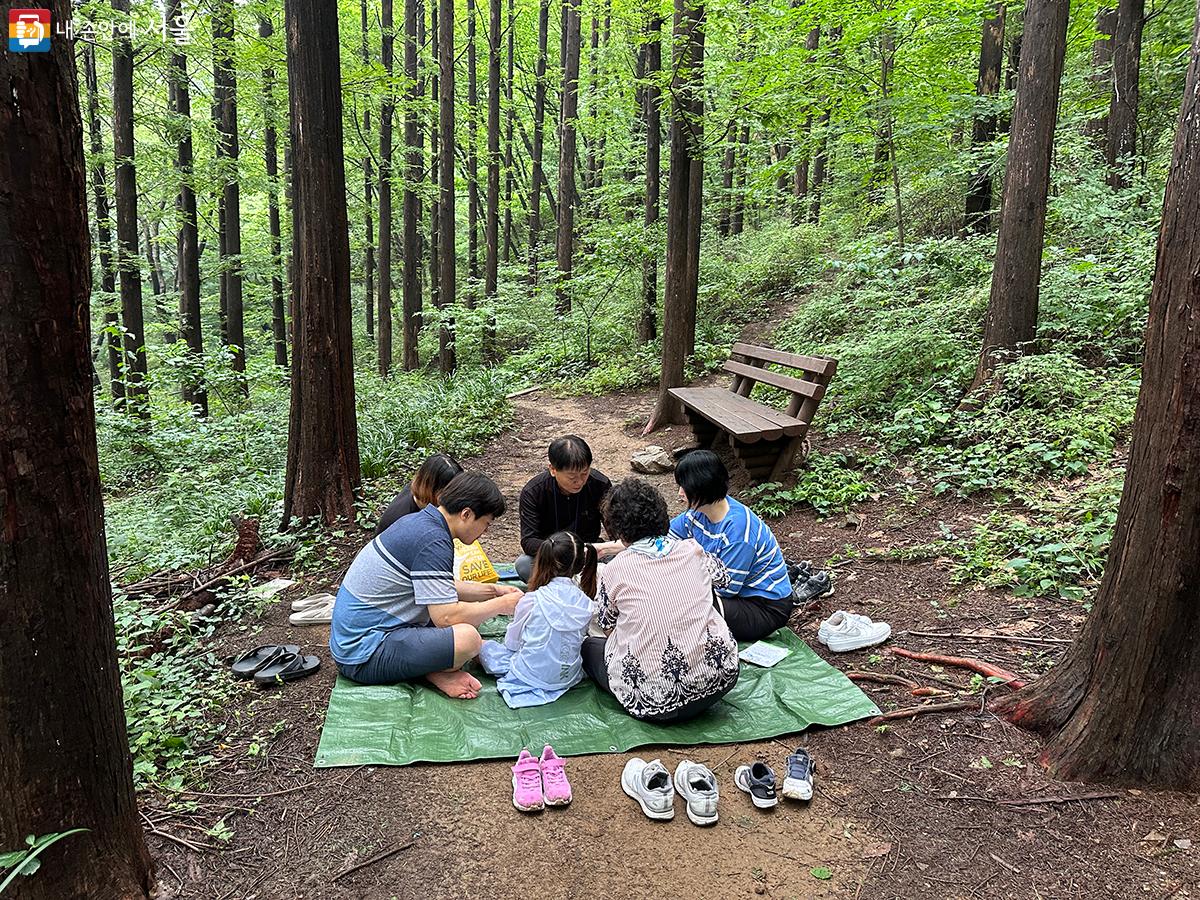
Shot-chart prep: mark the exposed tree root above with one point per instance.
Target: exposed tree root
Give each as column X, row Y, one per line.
column 965, row 662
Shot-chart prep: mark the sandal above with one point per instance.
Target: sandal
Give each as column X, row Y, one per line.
column 287, row 667
column 247, row 664
column 312, row 600
column 312, row 615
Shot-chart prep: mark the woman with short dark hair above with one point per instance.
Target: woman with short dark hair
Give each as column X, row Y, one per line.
column 757, row 596
column 668, row 655
column 427, row 483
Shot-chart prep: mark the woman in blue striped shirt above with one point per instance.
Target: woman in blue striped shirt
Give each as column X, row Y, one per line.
column 758, row 597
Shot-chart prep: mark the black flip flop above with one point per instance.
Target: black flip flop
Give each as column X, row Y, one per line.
column 246, row 664
column 287, row 667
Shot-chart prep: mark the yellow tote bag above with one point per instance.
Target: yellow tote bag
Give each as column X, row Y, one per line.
column 472, row 564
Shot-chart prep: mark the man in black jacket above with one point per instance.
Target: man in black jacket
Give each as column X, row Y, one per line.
column 565, row 497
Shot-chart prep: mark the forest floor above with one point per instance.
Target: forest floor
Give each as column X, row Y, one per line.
column 951, row 805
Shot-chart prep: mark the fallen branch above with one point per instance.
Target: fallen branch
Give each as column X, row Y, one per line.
column 973, row 635
column 374, row 859
column 911, row 711
column 964, row 662
column 929, row 692
column 882, row 678
column 1066, row 798
column 265, row 557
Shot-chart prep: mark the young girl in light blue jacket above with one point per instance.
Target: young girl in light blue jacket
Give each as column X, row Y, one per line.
column 539, row 660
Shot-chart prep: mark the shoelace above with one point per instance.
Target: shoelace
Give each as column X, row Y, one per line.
column 528, row 779
column 553, row 775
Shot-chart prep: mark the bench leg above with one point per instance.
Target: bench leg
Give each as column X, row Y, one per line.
column 760, row 459
column 704, row 431
column 787, row 458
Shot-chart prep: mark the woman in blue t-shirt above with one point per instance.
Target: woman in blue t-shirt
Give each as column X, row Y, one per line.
column 757, row 598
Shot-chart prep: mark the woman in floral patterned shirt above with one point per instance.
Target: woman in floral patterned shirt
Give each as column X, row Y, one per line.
column 669, row 654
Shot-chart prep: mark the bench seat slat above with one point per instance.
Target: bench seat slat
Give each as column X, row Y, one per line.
column 745, row 419
column 787, row 382
column 817, row 365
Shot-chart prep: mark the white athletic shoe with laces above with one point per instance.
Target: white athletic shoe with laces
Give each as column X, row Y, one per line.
column 845, row 631
column 697, row 785
column 649, row 783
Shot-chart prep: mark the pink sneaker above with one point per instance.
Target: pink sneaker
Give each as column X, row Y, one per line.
column 554, row 778
column 527, row 783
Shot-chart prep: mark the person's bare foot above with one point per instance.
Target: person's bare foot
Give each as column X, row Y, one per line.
column 457, row 684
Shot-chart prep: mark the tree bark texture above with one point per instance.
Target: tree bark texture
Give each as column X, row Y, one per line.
column 323, row 471
column 271, row 156
column 509, row 114
column 983, row 131
column 1101, row 76
column 473, row 205
column 1013, row 307
column 648, row 320
column 387, row 113
column 446, row 235
column 492, row 225
column 412, row 199
column 435, row 203
column 1123, row 108
column 539, row 127
column 568, row 117
column 225, row 96
column 1122, row 705
column 63, row 737
column 368, row 189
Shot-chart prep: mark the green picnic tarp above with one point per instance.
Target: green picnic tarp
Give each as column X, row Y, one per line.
column 394, row 725
column 401, row 724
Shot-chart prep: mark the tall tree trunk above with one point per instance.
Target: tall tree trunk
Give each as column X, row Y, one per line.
column 508, row 139
column 591, row 139
column 187, row 251
column 983, row 131
column 1013, row 308
column 647, row 321
column 368, row 189
column 728, row 165
column 412, row 200
column 435, row 203
column 446, row 234
column 686, row 156
column 108, row 283
column 539, row 120
column 568, row 116
column 1120, row 705
column 737, row 218
column 889, row 132
column 63, row 736
column 821, row 170
column 386, row 114
column 1123, row 109
column 323, row 472
column 271, row 154
column 137, row 392
column 693, row 90
column 225, row 95
column 1101, row 75
column 473, row 214
column 492, row 225
column 156, row 275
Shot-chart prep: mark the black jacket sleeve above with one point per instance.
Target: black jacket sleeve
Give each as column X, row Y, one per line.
column 533, row 530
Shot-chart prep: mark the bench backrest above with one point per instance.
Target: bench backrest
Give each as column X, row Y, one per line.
column 747, row 364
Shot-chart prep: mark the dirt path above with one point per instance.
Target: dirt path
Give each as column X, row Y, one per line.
column 914, row 810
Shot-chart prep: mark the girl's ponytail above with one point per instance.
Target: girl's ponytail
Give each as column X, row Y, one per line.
column 564, row 555
column 587, row 576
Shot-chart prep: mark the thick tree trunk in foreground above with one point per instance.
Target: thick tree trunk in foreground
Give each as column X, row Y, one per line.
column 62, row 726
column 446, row 235
column 412, row 181
column 568, row 116
column 1013, row 308
column 686, row 153
column 137, row 392
column 387, row 112
column 1123, row 109
column 539, row 127
column 108, row 282
column 225, row 96
column 491, row 229
column 991, row 59
column 368, row 190
column 1121, row 706
column 322, row 462
column 647, row 322
column 271, row 155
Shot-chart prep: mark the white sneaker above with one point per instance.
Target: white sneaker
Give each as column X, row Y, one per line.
column 649, row 783
column 698, row 786
column 316, row 614
column 312, row 600
column 844, row 631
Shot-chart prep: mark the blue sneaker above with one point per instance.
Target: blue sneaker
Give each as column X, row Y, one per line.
column 757, row 780
column 798, row 785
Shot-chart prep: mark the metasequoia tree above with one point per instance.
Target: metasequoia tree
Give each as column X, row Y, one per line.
column 1121, row 704
column 472, row 159
column 683, row 208
column 226, row 116
column 991, row 59
column 271, row 156
column 567, row 120
column 491, row 232
column 446, row 234
column 1101, row 77
column 412, row 181
column 1012, row 314
column 63, row 736
column 1123, row 107
column 387, row 112
column 322, row 461
column 368, row 187
column 535, row 155
column 651, row 52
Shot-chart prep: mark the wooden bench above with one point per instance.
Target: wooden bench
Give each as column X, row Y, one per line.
column 764, row 439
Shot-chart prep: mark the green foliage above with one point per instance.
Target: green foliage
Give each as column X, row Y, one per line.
column 828, row 483
column 25, row 861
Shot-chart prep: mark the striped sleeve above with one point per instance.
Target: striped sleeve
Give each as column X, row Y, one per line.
column 680, row 526
column 433, row 574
